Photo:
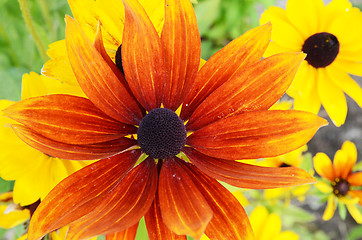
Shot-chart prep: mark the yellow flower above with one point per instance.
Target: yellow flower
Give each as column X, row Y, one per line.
column 11, row 214
column 332, row 40
column 343, row 185
column 267, row 226
column 35, row 173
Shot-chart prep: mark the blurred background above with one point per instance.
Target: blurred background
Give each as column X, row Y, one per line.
column 220, row 21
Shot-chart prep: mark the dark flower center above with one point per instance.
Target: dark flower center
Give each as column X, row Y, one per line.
column 340, row 187
column 119, row 59
column 161, row 133
column 321, row 49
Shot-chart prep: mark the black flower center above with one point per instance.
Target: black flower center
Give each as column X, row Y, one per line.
column 340, row 187
column 321, row 49
column 161, row 133
column 119, row 59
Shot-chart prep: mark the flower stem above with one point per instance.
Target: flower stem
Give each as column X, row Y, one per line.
column 46, row 15
column 29, row 24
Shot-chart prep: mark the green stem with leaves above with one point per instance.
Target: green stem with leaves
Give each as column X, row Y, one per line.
column 29, row 24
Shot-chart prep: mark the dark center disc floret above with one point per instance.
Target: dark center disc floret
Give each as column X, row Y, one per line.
column 161, row 133
column 118, row 59
column 321, row 49
column 340, row 187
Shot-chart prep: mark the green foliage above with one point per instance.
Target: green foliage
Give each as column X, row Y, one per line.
column 18, row 52
column 355, row 233
column 221, row 21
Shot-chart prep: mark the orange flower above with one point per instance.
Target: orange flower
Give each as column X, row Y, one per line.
column 342, row 184
column 225, row 110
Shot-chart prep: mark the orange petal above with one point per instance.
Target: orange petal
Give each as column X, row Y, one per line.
column 184, row 210
column 155, row 226
column 77, row 194
column 323, row 166
column 229, row 220
column 128, row 234
column 345, row 159
column 233, row 58
column 98, row 44
column 97, row 79
column 355, row 179
column 122, row 207
column 356, row 193
column 248, row 176
column 72, row 151
column 257, row 88
column 256, row 134
column 68, row 119
column 181, row 40
column 142, row 56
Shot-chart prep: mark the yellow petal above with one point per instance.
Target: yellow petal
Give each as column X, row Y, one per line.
column 287, row 235
column 323, row 166
column 13, row 218
column 331, row 208
column 346, row 83
column 34, row 85
column 332, row 97
column 324, row 187
column 306, row 23
column 345, row 159
column 349, row 66
column 305, row 95
column 284, row 33
column 241, row 198
column 271, row 228
column 257, row 219
column 355, row 213
column 58, row 67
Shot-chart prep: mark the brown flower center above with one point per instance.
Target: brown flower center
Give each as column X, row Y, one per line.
column 340, row 187
column 321, row 49
column 161, row 133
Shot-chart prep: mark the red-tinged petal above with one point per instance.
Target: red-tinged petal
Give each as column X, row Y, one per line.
column 233, row 58
column 184, row 210
column 181, row 40
column 257, row 88
column 142, row 56
column 230, row 220
column 122, row 207
column 155, row 226
column 78, row 194
column 248, row 176
column 128, row 234
column 98, row 44
column 355, row 179
column 254, row 135
column 72, row 151
column 97, row 79
column 68, row 119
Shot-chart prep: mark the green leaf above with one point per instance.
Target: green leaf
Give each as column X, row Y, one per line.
column 355, row 233
column 342, row 211
column 206, row 14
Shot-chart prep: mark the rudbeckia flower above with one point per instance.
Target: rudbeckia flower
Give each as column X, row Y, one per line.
column 341, row 184
column 154, row 162
column 34, row 172
column 332, row 42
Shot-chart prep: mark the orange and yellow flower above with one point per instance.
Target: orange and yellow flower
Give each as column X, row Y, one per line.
column 155, row 163
column 342, row 185
column 332, row 40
